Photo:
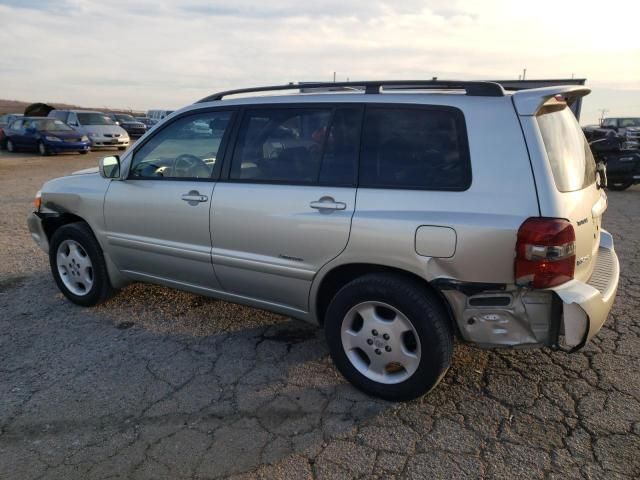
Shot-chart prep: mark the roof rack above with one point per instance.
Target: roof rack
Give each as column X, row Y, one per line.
column 474, row 88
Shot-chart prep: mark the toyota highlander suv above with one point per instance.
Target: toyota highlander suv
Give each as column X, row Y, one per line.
column 397, row 215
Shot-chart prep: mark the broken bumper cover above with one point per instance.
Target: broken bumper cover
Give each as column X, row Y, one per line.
column 586, row 306
column 34, row 222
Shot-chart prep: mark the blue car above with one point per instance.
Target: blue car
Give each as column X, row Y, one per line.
column 46, row 135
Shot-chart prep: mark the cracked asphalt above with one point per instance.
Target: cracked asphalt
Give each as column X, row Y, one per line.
column 164, row 384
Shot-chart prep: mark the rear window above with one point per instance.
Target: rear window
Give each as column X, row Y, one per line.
column 415, row 148
column 569, row 153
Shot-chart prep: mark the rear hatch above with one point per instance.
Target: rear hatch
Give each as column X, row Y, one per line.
column 581, row 201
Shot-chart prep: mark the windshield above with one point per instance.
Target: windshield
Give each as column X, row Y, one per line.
column 51, row 125
column 94, row 119
column 569, row 154
column 123, row 117
column 630, row 122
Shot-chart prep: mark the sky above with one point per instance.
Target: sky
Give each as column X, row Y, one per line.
column 144, row 54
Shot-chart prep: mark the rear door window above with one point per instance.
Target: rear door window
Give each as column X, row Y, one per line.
column 567, row 149
column 298, row 146
column 416, row 148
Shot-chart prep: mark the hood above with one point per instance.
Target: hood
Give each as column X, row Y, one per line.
column 102, row 129
column 86, row 171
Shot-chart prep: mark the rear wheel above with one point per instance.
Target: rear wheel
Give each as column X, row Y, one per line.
column 78, row 266
column 42, row 149
column 389, row 336
column 11, row 146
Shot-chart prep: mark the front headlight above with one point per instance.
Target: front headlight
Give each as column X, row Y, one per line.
column 84, row 138
column 52, row 139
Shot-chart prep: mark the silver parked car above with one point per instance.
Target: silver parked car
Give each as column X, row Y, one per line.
column 98, row 126
column 397, row 215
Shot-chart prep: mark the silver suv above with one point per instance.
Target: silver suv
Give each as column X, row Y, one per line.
column 397, row 215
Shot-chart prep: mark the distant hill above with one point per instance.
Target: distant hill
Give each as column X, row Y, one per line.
column 16, row 106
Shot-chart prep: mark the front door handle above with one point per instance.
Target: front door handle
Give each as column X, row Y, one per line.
column 194, row 197
column 328, row 203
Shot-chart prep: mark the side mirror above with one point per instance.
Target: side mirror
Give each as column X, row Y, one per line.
column 109, row 167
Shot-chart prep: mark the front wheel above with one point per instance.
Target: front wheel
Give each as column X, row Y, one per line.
column 42, row 149
column 78, row 266
column 389, row 336
column 11, row 148
column 122, row 148
column 83, row 152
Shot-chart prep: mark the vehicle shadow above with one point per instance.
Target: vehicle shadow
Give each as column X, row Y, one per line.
column 214, row 401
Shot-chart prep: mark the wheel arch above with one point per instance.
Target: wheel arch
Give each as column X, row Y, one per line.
column 336, row 278
column 51, row 223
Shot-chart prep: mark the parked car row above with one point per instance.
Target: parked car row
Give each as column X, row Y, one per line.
column 69, row 130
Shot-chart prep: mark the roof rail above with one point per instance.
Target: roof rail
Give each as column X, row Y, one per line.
column 475, row 88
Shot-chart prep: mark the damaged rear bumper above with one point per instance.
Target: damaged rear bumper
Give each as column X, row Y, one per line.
column 586, row 306
column 566, row 316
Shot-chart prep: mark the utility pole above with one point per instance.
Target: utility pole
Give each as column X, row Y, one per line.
column 603, row 112
column 334, row 77
column 524, row 73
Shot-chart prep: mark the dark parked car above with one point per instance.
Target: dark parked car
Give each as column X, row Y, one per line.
column 46, row 135
column 5, row 120
column 621, row 157
column 133, row 127
column 627, row 127
column 149, row 122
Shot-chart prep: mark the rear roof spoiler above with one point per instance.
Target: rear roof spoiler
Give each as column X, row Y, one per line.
column 529, row 102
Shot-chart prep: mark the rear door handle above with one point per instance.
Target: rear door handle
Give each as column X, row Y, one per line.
column 194, row 197
column 328, row 203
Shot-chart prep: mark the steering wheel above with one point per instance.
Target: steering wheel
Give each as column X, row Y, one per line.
column 187, row 165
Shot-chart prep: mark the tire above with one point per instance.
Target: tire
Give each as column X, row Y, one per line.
column 42, row 149
column 70, row 270
column 122, row 148
column 11, row 147
column 83, row 152
column 424, row 353
column 619, row 186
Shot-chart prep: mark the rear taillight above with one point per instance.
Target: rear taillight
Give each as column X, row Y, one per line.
column 545, row 252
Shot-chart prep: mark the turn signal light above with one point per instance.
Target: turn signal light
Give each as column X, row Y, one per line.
column 545, row 252
column 37, row 202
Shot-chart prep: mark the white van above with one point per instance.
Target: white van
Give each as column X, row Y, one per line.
column 158, row 115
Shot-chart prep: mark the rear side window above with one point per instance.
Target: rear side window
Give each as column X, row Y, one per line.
column 567, row 149
column 298, row 146
column 418, row 148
